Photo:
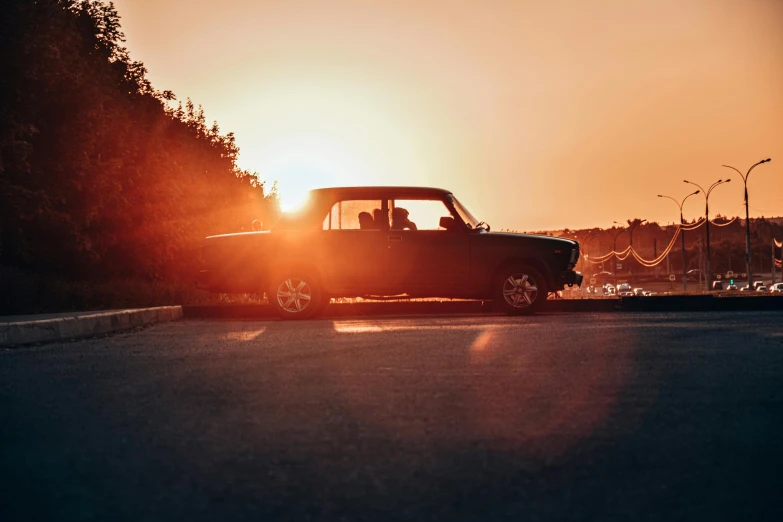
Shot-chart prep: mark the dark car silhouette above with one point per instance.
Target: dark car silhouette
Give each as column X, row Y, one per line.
column 386, row 242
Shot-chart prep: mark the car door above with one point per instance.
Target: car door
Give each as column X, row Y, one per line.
column 423, row 258
column 352, row 250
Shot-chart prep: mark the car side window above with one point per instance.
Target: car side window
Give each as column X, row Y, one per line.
column 418, row 214
column 354, row 214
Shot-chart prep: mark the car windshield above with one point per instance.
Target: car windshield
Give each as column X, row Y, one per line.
column 464, row 213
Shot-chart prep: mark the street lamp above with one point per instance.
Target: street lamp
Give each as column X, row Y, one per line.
column 587, row 238
column 682, row 234
column 614, row 249
column 748, row 254
column 630, row 242
column 707, row 219
column 634, row 225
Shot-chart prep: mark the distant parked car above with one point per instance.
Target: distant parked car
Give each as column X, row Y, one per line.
column 761, row 288
column 777, row 287
column 605, row 290
column 731, row 287
column 717, row 285
column 744, row 288
column 757, row 284
column 639, row 291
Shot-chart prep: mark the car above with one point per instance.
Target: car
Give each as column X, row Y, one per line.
column 601, row 291
column 717, row 285
column 744, row 288
column 777, row 287
column 731, row 287
column 387, row 242
column 757, row 284
column 761, row 288
column 639, row 291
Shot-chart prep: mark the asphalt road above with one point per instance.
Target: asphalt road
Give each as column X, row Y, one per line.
column 555, row 417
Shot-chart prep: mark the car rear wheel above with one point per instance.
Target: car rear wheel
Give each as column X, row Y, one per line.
column 520, row 290
column 295, row 295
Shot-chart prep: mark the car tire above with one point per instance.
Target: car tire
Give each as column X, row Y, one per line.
column 519, row 290
column 295, row 294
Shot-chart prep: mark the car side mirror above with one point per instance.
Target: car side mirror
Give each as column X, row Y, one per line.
column 448, row 223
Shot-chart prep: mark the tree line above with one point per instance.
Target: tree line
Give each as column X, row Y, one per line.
column 101, row 174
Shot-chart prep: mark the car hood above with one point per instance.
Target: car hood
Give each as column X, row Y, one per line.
column 539, row 237
column 239, row 234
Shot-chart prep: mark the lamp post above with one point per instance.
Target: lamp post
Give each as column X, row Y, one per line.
column 587, row 238
column 748, row 253
column 634, row 225
column 707, row 219
column 630, row 241
column 614, row 249
column 682, row 235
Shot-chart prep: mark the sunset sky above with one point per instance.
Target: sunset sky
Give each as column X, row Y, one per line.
column 537, row 114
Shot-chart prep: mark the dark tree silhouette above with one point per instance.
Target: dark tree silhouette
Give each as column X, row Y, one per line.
column 99, row 176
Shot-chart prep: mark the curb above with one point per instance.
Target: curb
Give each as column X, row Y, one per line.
column 701, row 303
column 66, row 327
column 371, row 309
column 695, row 303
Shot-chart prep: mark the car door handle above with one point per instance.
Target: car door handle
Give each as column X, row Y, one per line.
column 395, row 238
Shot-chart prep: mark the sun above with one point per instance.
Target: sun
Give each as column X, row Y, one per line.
column 306, row 161
column 312, row 129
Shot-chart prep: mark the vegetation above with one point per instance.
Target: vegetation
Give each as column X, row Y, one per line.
column 103, row 179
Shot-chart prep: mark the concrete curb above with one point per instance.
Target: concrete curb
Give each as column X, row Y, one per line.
column 374, row 309
column 686, row 303
column 701, row 303
column 65, row 327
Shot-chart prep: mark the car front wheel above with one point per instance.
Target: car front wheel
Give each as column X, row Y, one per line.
column 520, row 290
column 295, row 295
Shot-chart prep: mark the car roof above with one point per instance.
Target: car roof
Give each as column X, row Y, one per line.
column 391, row 191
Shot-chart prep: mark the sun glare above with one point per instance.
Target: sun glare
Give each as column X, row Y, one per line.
column 315, row 129
column 304, row 162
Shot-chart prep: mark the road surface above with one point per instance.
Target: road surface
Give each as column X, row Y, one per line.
column 553, row 417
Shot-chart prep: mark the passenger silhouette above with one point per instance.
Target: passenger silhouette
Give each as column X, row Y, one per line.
column 366, row 222
column 400, row 220
column 378, row 217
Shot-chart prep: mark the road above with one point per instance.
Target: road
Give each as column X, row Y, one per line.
column 554, row 417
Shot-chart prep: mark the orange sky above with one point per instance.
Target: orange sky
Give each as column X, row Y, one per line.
column 537, row 114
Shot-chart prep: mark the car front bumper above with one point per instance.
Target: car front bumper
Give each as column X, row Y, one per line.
column 570, row 277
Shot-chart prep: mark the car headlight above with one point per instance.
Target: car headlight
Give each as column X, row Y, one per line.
column 574, row 257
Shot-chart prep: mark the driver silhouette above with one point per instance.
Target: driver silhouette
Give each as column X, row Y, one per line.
column 400, row 220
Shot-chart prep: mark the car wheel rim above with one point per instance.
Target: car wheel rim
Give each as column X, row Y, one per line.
column 294, row 295
column 520, row 290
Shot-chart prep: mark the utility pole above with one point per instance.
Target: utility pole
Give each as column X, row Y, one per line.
column 773, row 260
